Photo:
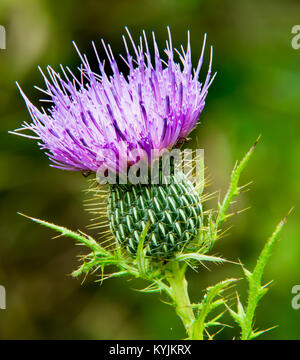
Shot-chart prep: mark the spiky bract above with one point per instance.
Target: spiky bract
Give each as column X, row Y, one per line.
column 173, row 211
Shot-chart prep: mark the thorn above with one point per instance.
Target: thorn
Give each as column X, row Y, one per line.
column 19, row 213
column 256, row 141
column 284, row 220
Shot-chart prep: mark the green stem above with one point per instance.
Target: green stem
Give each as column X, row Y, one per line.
column 179, row 294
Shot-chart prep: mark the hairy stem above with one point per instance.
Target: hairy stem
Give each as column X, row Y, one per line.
column 179, row 295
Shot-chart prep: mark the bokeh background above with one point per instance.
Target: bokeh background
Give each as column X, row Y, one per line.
column 257, row 91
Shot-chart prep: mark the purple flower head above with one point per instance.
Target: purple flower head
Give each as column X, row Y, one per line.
column 98, row 118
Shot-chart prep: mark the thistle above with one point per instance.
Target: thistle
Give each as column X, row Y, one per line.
column 95, row 123
column 111, row 126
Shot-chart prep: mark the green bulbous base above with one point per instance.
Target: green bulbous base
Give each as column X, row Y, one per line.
column 174, row 211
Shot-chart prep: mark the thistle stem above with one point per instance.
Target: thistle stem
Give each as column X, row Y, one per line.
column 179, row 294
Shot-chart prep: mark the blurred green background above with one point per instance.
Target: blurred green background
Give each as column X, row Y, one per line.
column 256, row 91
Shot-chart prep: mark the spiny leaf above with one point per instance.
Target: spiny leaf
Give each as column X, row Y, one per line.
column 207, row 305
column 233, row 189
column 199, row 257
column 256, row 290
column 84, row 239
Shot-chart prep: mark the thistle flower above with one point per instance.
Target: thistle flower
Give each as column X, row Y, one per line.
column 155, row 107
column 99, row 119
